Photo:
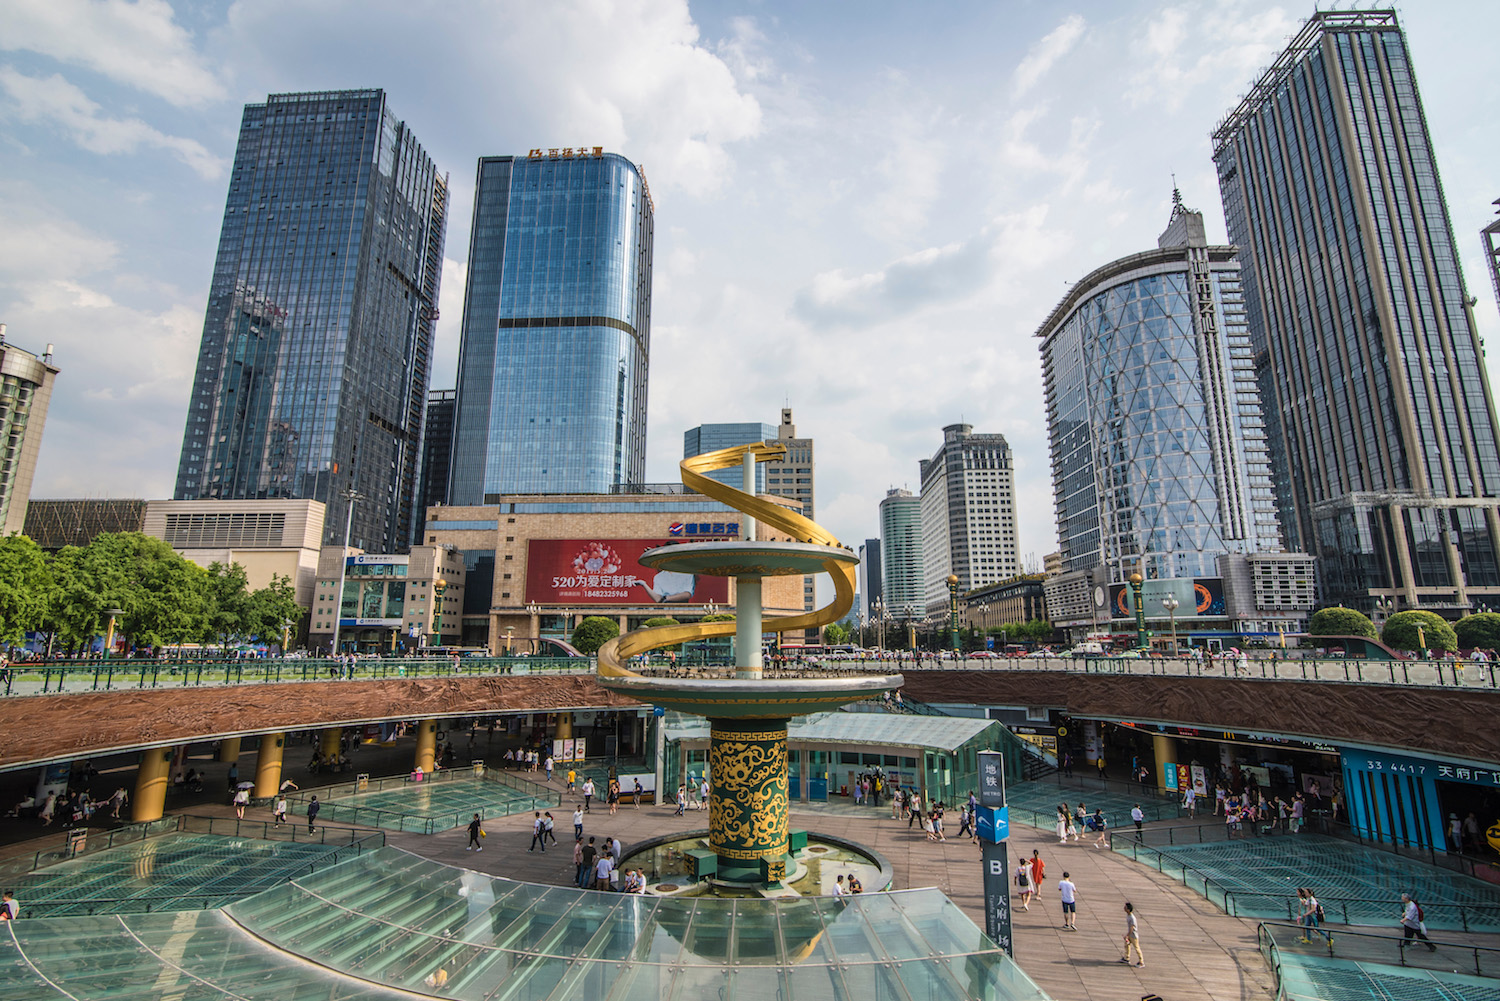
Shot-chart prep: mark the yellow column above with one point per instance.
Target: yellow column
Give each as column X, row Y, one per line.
column 268, row 765
column 150, row 799
column 229, row 750
column 328, row 742
column 564, row 728
column 426, row 744
column 1166, row 754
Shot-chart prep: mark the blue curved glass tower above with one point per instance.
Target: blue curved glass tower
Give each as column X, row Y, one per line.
column 556, row 328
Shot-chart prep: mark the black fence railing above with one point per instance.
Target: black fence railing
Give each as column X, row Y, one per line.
column 1275, row 936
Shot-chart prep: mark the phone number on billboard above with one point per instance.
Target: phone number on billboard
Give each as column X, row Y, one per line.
column 597, row 580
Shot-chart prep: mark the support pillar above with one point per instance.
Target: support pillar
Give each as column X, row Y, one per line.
column 1165, row 749
column 564, row 728
column 150, row 799
column 747, row 803
column 747, row 626
column 328, row 741
column 229, row 750
column 426, row 744
column 268, row 765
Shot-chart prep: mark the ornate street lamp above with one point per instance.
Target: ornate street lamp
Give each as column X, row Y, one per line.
column 1140, row 611
column 953, row 612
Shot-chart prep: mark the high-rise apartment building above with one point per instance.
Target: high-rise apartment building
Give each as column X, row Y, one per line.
column 968, row 515
column 313, row 368
column 437, row 450
column 25, row 391
column 1378, row 409
column 870, row 584
column 1491, row 237
column 901, row 552
column 556, row 334
column 1159, row 461
column 793, row 476
column 712, row 437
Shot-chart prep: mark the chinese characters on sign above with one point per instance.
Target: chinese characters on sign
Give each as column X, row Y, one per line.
column 705, row 528
column 1417, row 768
column 566, row 153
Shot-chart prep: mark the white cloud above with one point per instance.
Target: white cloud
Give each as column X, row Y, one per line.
column 135, row 43
column 41, row 248
column 1186, row 48
column 57, row 102
column 1042, row 56
column 910, row 282
column 634, row 76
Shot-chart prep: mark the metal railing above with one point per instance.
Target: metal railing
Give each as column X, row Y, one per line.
column 56, row 677
column 1369, row 947
column 1414, row 673
column 98, row 841
column 1346, row 910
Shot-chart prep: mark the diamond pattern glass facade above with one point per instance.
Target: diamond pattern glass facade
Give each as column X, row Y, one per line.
column 312, row 373
column 556, row 330
column 1158, row 446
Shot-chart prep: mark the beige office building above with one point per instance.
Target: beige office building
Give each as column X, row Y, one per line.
column 538, row 564
column 266, row 537
column 390, row 602
column 25, row 391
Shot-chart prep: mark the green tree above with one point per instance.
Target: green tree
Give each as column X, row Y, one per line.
column 164, row 597
column 274, row 612
column 229, row 604
column 1482, row 630
column 593, row 632
column 1340, row 622
column 25, row 588
column 75, row 613
column 718, row 617
column 1400, row 632
column 835, row 634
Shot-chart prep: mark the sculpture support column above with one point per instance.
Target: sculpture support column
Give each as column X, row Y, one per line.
column 747, row 625
column 747, row 805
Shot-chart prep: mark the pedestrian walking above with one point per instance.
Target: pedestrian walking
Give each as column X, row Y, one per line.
column 537, row 837
column 1099, row 824
column 549, row 768
column 1139, row 817
column 915, row 812
column 965, row 822
column 1190, row 802
column 547, row 825
column 586, row 872
column 1069, row 893
column 1310, row 916
column 588, row 794
column 613, row 796
column 602, row 870
column 703, row 791
column 1062, row 824
column 578, row 861
column 476, row 831
column 1100, row 763
column 636, row 802
column 312, row 814
column 1413, row 924
column 279, row 812
column 1038, row 870
column 1024, row 889
column 578, row 821
column 9, row 908
column 1132, row 937
column 1079, row 825
column 681, row 799
column 572, row 778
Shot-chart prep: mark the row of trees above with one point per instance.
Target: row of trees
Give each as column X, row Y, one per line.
column 1481, row 631
column 161, row 597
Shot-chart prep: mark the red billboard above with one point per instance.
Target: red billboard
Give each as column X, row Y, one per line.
column 605, row 572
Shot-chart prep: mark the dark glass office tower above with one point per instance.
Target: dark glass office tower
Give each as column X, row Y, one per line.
column 1379, row 415
column 556, row 328
column 437, row 451
column 312, row 374
column 712, row 437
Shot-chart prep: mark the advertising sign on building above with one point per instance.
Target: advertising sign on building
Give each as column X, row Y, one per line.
column 606, row 572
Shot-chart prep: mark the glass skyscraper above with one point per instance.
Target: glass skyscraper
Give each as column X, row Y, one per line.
column 556, row 328
column 313, row 369
column 1380, row 419
column 712, row 437
column 901, row 553
column 1158, row 446
column 968, row 505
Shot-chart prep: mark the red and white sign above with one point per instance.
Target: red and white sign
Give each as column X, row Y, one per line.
column 606, row 572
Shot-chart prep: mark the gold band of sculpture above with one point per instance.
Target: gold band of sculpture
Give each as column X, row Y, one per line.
column 615, row 654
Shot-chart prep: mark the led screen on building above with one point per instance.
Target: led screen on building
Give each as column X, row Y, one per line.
column 605, row 572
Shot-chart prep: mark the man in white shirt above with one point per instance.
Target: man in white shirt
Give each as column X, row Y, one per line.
column 1137, row 816
column 1069, row 893
column 602, row 869
column 838, row 887
column 578, row 822
column 1411, row 922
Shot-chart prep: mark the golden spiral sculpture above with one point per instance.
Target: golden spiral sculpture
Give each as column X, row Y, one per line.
column 615, row 654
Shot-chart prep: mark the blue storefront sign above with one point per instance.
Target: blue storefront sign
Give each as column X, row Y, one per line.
column 1394, row 798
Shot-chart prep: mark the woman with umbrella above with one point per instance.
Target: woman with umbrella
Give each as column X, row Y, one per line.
column 242, row 798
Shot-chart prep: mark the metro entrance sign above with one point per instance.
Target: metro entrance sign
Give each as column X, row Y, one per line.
column 994, row 827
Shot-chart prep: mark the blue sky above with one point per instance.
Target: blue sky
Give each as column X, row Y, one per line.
column 863, row 210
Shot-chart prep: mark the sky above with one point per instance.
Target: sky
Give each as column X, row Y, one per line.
column 863, row 211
